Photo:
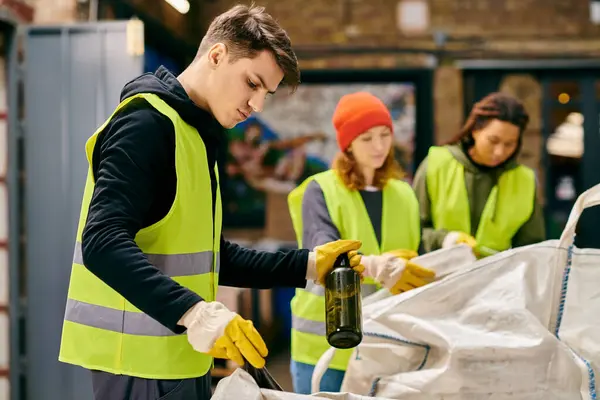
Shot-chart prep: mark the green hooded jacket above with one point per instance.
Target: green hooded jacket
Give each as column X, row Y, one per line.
column 479, row 182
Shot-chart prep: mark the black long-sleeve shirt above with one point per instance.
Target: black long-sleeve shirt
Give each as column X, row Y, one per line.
column 135, row 182
column 318, row 225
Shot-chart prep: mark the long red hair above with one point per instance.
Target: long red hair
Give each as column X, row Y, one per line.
column 346, row 166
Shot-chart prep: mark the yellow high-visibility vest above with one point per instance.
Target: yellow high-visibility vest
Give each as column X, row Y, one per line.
column 102, row 330
column 400, row 230
column 509, row 205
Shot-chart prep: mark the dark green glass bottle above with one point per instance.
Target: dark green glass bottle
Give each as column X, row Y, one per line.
column 343, row 308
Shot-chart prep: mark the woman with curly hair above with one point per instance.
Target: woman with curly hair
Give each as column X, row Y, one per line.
column 361, row 197
column 473, row 190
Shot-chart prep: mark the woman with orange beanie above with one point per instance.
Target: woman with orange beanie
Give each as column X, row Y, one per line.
column 363, row 198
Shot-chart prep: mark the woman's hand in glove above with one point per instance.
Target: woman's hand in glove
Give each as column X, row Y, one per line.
column 215, row 330
column 397, row 274
column 455, row 238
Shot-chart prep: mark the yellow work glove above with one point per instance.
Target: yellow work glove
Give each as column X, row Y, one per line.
column 395, row 272
column 455, row 238
column 322, row 258
column 241, row 341
column 413, row 276
column 215, row 330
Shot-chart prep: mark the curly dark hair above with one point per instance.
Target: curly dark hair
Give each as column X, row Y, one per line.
column 500, row 106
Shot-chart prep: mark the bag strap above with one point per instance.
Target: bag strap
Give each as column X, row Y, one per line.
column 321, row 368
column 589, row 198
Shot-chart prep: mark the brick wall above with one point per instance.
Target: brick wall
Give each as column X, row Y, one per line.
column 475, row 28
column 523, row 17
column 448, row 103
column 353, row 22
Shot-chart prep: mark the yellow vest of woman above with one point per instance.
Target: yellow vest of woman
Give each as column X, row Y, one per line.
column 400, row 230
column 102, row 330
column 509, row 205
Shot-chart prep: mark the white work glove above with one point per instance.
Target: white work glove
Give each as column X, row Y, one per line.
column 455, row 238
column 395, row 273
column 215, row 330
column 385, row 269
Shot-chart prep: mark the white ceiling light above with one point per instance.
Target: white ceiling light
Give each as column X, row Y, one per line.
column 595, row 11
column 183, row 6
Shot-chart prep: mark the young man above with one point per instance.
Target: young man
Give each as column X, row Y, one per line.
column 141, row 310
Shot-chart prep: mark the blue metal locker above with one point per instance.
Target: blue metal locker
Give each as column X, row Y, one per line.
column 70, row 78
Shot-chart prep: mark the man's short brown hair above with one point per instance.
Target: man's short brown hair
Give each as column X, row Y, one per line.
column 247, row 31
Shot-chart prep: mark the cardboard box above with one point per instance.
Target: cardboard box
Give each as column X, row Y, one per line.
column 278, row 223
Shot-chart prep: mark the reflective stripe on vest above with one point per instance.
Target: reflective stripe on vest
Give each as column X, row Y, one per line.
column 127, row 322
column 172, row 264
column 308, row 326
column 135, row 323
column 509, row 204
column 400, row 209
column 102, row 330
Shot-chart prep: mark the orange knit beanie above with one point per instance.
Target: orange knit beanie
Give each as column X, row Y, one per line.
column 355, row 114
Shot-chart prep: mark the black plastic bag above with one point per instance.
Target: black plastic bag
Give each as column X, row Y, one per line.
column 263, row 378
